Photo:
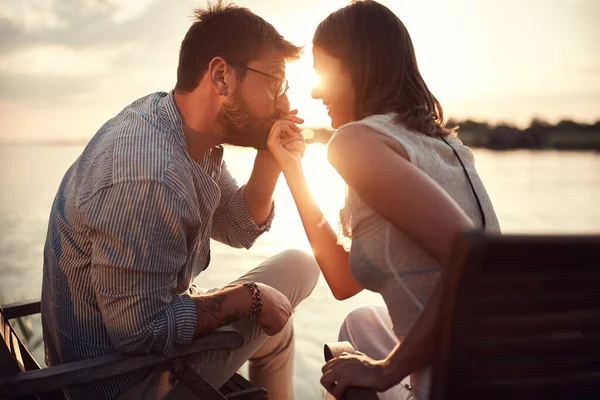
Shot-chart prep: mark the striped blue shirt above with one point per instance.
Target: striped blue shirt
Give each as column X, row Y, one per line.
column 129, row 232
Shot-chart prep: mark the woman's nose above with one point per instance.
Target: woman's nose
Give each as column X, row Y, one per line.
column 316, row 93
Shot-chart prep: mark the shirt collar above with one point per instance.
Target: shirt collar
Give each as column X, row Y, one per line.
column 171, row 116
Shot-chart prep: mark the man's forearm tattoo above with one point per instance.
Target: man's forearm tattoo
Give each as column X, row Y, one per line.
column 211, row 304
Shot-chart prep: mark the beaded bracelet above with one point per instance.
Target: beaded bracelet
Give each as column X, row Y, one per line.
column 256, row 299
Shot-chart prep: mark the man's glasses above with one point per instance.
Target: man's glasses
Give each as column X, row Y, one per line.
column 283, row 83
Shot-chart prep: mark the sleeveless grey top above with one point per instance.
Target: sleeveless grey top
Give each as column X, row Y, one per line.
column 385, row 260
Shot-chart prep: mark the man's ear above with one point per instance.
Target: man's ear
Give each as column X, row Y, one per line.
column 221, row 76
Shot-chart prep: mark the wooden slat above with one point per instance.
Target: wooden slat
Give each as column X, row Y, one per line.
column 248, row 394
column 21, row 308
column 25, row 356
column 547, row 345
column 537, row 367
column 28, row 361
column 229, row 387
column 523, row 304
column 543, row 253
column 540, row 257
column 545, row 243
column 16, row 351
column 60, row 376
column 8, row 365
column 530, row 284
column 5, row 332
column 232, row 385
column 241, row 382
column 578, row 321
column 511, row 261
column 237, row 387
column 584, row 387
column 196, row 383
column 58, row 395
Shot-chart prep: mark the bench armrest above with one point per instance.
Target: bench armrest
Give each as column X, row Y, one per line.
column 21, row 308
column 65, row 375
column 335, row 349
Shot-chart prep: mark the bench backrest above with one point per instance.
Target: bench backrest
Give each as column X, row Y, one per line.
column 520, row 319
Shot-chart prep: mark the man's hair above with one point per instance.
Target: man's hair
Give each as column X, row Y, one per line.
column 231, row 32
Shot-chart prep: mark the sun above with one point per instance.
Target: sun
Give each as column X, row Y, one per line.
column 303, row 78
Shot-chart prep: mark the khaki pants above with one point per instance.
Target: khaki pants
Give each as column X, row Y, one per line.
column 271, row 358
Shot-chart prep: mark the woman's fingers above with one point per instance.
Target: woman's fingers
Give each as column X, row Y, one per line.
column 340, row 388
column 280, row 123
column 335, row 383
column 328, row 381
column 329, row 364
column 296, row 137
column 284, row 133
column 292, row 118
column 295, row 147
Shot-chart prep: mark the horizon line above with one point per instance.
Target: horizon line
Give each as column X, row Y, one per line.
column 62, row 141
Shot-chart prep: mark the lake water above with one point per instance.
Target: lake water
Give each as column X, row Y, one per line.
column 533, row 192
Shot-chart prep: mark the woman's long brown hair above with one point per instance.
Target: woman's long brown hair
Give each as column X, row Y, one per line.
column 377, row 51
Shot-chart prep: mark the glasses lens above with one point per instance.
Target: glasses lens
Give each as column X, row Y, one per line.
column 283, row 88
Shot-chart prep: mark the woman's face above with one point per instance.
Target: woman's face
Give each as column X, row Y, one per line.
column 335, row 88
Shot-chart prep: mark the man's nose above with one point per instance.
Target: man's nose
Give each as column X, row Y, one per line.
column 282, row 105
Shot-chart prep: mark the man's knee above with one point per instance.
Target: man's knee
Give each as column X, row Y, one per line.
column 303, row 268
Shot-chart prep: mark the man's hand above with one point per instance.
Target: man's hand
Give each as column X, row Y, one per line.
column 276, row 310
column 285, row 141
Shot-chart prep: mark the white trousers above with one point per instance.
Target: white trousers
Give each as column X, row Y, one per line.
column 369, row 329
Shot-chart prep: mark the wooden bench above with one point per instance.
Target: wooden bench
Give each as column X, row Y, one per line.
column 21, row 376
column 520, row 319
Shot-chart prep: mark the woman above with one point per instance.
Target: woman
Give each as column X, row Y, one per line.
column 412, row 187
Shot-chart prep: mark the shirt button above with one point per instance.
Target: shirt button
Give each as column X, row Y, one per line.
column 213, row 174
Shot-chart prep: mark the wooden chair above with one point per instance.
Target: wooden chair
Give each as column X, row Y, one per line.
column 21, row 376
column 520, row 319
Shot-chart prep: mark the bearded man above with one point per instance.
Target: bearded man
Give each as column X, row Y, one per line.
column 130, row 227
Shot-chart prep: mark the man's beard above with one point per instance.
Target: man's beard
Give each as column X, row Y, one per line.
column 241, row 127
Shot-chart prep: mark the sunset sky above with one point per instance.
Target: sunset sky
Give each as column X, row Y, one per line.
column 66, row 66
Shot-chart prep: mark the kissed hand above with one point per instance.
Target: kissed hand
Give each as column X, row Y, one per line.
column 357, row 370
column 285, row 141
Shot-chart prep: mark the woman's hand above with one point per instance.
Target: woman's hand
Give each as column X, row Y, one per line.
column 357, row 370
column 285, row 141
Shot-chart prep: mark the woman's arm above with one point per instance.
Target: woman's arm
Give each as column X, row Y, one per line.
column 378, row 169
column 333, row 259
column 380, row 172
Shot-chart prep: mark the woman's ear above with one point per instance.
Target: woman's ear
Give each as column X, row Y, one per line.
column 219, row 73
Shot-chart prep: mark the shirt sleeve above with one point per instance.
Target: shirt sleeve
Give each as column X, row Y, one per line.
column 139, row 242
column 232, row 223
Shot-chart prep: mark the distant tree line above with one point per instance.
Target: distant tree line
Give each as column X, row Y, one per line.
column 565, row 135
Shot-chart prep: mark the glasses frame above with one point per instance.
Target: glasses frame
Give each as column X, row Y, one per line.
column 283, row 83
